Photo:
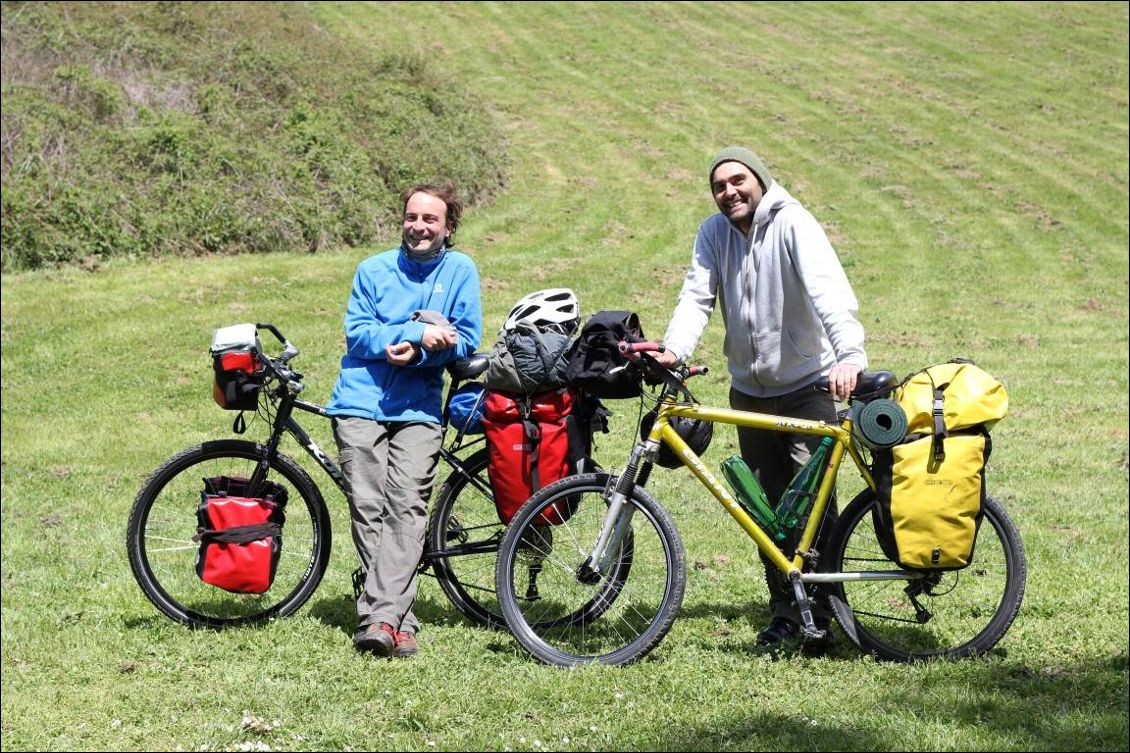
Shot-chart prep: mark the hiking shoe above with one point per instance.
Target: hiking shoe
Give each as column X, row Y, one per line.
column 380, row 639
column 779, row 629
column 405, row 645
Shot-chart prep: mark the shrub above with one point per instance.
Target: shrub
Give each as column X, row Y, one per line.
column 189, row 128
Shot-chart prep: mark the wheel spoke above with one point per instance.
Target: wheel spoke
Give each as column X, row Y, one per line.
column 464, row 563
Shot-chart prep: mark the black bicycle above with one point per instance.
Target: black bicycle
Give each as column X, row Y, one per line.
column 462, row 536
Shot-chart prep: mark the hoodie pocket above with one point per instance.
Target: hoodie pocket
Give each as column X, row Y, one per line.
column 801, row 345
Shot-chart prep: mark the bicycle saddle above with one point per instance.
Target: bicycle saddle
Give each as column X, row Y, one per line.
column 874, row 383
column 469, row 367
column 871, row 384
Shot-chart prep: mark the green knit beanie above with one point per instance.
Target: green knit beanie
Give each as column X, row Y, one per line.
column 747, row 158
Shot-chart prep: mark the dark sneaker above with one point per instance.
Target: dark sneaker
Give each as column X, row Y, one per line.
column 380, row 639
column 779, row 629
column 405, row 645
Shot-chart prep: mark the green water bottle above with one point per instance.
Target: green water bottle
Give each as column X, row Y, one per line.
column 801, row 491
column 751, row 496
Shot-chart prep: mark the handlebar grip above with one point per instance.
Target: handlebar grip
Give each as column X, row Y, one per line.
column 697, row 371
column 627, row 348
column 289, row 351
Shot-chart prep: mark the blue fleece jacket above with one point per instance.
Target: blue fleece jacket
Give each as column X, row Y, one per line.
column 387, row 288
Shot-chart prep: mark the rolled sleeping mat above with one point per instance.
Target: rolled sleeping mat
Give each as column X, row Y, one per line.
column 881, row 424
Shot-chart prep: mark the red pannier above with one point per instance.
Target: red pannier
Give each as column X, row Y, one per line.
column 529, row 447
column 240, row 536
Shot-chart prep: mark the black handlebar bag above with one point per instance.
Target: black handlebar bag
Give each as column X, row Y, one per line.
column 595, row 364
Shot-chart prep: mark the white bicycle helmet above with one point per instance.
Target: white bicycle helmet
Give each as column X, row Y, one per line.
column 556, row 308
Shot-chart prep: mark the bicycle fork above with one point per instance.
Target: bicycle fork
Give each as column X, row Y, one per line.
column 617, row 523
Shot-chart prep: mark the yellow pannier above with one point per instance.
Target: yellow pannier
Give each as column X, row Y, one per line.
column 931, row 487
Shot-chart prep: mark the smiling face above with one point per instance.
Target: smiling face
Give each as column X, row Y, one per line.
column 737, row 192
column 425, row 223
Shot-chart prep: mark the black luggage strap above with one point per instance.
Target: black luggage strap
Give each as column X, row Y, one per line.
column 940, row 431
column 238, row 534
column 533, row 434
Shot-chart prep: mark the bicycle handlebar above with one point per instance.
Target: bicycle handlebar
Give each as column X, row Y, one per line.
column 291, row 379
column 289, row 350
column 675, row 379
column 627, row 348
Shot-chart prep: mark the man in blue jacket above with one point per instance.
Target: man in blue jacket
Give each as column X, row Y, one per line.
column 412, row 310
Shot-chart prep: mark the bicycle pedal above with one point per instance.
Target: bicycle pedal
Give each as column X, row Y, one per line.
column 807, row 635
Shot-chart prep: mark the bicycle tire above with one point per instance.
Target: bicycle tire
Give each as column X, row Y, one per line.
column 970, row 609
column 162, row 553
column 464, row 517
column 564, row 621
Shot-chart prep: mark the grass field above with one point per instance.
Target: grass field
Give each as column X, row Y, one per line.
column 970, row 164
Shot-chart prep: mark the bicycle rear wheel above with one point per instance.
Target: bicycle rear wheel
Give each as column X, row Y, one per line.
column 162, row 552
column 564, row 618
column 463, row 537
column 948, row 614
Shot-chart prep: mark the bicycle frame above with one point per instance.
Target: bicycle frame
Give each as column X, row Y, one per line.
column 286, row 394
column 662, row 431
column 285, row 423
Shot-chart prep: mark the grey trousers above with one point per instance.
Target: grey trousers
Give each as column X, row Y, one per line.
column 775, row 457
column 389, row 469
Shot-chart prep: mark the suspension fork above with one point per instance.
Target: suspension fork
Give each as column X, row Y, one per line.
column 617, row 522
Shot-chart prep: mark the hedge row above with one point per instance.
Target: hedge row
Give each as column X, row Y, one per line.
column 188, row 128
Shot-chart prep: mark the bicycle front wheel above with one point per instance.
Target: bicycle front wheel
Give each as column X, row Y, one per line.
column 559, row 612
column 162, row 552
column 943, row 614
column 463, row 537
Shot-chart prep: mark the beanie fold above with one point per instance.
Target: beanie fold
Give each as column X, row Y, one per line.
column 746, row 157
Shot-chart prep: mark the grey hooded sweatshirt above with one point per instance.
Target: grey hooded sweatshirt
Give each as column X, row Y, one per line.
column 787, row 305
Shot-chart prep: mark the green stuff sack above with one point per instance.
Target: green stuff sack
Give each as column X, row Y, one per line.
column 931, row 486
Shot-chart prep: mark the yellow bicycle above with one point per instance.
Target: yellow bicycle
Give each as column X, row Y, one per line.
column 606, row 584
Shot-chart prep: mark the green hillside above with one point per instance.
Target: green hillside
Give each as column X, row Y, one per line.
column 183, row 128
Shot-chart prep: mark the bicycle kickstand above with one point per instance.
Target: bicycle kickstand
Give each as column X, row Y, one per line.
column 804, row 606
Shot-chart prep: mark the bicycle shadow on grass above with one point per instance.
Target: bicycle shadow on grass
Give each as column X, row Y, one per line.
column 750, row 618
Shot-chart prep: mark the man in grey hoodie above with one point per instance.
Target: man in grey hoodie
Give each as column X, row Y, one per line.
column 790, row 319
